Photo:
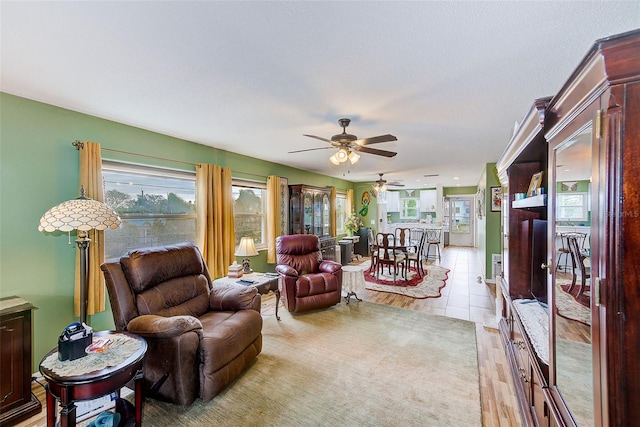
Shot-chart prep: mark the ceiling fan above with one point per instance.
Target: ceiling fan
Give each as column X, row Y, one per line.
column 382, row 184
column 348, row 144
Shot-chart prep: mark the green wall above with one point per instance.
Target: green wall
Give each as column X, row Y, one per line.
column 492, row 238
column 456, row 191
column 39, row 169
column 372, row 212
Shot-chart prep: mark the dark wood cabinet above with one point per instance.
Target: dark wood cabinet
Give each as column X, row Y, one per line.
column 586, row 140
column 18, row 402
column 310, row 213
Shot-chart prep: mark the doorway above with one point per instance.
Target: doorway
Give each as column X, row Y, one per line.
column 461, row 222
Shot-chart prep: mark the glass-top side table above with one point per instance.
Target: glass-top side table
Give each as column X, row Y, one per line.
column 94, row 375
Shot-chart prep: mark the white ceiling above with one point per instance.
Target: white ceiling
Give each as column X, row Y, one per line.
column 449, row 79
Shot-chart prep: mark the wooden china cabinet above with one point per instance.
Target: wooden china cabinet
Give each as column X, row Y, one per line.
column 574, row 350
column 310, row 210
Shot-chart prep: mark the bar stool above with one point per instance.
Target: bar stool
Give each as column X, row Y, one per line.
column 433, row 239
column 564, row 250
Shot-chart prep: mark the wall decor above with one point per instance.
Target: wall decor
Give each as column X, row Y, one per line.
column 496, row 199
column 366, row 199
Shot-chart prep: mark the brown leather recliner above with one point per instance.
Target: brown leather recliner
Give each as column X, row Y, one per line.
column 200, row 337
column 308, row 282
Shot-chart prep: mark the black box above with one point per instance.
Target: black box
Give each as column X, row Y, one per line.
column 73, row 341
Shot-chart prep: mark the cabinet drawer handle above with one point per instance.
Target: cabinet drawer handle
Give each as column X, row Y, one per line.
column 520, row 344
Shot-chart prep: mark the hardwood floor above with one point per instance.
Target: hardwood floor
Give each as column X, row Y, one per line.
column 463, row 297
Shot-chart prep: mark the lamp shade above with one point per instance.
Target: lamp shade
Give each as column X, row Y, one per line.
column 353, row 157
column 246, row 247
column 342, row 155
column 82, row 214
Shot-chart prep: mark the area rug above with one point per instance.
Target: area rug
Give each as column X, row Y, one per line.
column 429, row 287
column 569, row 308
column 384, row 278
column 361, row 364
column 583, row 298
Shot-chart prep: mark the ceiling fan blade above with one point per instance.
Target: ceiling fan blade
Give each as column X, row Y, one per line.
column 431, row 175
column 376, row 139
column 395, row 184
column 308, row 149
column 374, row 151
column 318, row 137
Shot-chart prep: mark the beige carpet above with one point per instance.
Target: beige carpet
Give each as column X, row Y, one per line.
column 361, row 364
column 430, row 287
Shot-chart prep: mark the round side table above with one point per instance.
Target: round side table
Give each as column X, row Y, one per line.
column 352, row 280
column 77, row 383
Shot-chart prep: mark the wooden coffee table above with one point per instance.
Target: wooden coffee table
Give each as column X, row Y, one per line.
column 263, row 283
column 69, row 388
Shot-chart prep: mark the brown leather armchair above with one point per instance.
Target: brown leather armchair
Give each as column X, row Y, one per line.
column 200, row 337
column 308, row 282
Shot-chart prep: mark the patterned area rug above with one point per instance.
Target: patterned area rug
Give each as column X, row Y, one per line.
column 569, row 308
column 384, row 278
column 428, row 287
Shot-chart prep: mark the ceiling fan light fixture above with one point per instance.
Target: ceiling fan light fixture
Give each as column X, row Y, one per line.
column 353, row 157
column 342, row 155
column 334, row 159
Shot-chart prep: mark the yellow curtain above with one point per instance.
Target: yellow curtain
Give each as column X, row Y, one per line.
column 350, row 206
column 91, row 179
column 333, row 227
column 274, row 216
column 215, row 233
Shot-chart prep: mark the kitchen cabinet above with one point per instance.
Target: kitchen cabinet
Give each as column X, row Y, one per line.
column 428, row 200
column 393, row 201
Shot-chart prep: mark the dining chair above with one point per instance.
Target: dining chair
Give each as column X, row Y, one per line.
column 578, row 258
column 402, row 236
column 387, row 253
column 415, row 254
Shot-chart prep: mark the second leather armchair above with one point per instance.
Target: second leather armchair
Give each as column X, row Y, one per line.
column 308, row 281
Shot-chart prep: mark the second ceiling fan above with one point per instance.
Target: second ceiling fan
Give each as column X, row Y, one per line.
column 382, row 184
column 347, row 145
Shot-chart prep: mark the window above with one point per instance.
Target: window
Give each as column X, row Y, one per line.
column 341, row 213
column 157, row 206
column 572, row 207
column 249, row 211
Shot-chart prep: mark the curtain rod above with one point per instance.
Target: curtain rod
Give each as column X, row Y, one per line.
column 79, row 144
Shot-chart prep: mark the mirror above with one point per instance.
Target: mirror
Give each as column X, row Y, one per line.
column 571, row 281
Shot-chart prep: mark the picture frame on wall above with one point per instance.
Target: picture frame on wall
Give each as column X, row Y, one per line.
column 536, row 182
column 496, row 199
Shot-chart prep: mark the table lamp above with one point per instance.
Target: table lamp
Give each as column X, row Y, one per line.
column 246, row 248
column 81, row 214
